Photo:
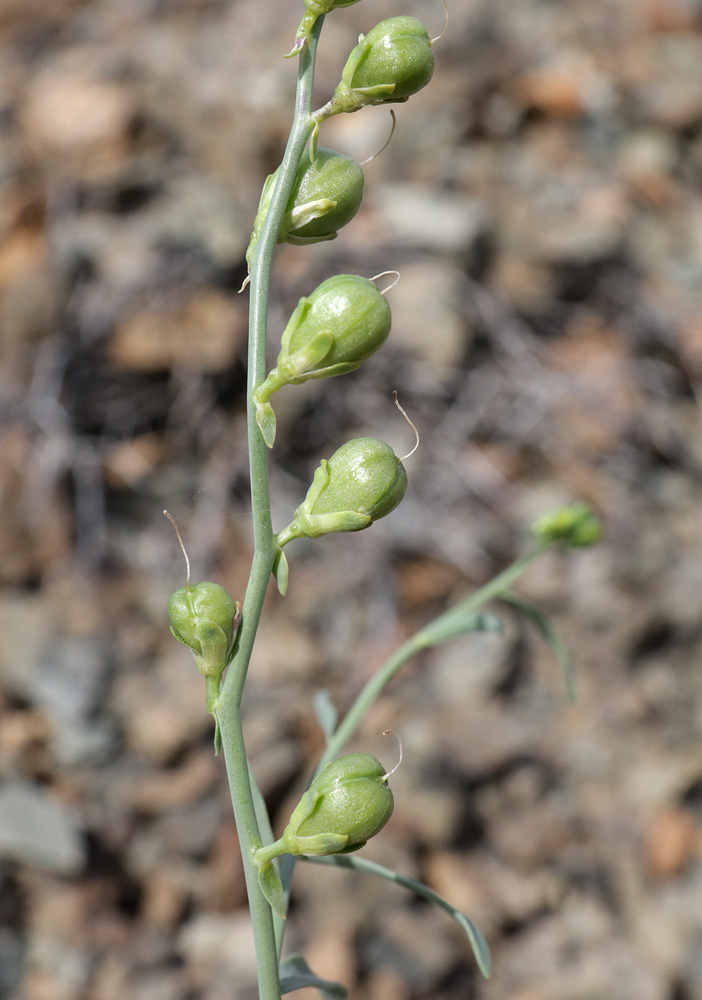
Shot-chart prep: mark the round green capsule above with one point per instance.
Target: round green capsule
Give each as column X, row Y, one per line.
column 395, row 52
column 204, row 618
column 326, row 195
column 366, row 476
column 332, row 177
column 343, row 322
column 356, row 314
column 351, row 799
column 363, row 481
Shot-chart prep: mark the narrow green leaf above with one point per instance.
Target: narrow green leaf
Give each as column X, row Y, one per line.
column 473, row 933
column 295, row 974
column 325, row 711
column 455, row 623
column 539, row 620
column 272, row 888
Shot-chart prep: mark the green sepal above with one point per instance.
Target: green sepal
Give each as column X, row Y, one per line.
column 298, row 315
column 261, row 212
column 319, row 482
column 314, row 140
column 352, row 848
column 302, row 810
column 316, row 525
column 301, row 215
column 306, row 241
column 357, row 56
column 295, row 974
column 295, row 365
column 214, row 643
column 318, row 844
column 272, row 887
column 280, row 572
column 342, row 368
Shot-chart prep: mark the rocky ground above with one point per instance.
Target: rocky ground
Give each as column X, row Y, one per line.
column 541, row 199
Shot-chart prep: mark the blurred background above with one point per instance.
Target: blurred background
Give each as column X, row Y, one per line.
column 542, row 201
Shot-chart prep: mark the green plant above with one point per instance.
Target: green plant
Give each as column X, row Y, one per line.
column 307, row 199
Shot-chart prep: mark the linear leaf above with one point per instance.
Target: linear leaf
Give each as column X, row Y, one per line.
column 539, row 620
column 325, row 711
column 295, row 973
column 455, row 623
column 473, row 933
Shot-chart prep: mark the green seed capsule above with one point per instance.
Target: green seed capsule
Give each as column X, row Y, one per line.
column 363, row 481
column 350, row 798
column 366, row 476
column 389, row 64
column 353, row 310
column 326, row 195
column 204, row 618
column 343, row 322
column 332, row 177
column 396, row 51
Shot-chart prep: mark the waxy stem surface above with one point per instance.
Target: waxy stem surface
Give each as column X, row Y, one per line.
column 229, row 702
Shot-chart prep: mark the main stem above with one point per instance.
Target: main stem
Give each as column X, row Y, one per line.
column 229, row 705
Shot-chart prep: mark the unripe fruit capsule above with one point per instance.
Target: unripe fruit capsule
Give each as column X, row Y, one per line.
column 204, row 618
column 352, row 800
column 365, row 475
column 396, row 51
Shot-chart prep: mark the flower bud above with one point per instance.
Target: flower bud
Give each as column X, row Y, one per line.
column 363, row 481
column 575, row 526
column 204, row 618
column 342, row 322
column 326, row 195
column 389, row 64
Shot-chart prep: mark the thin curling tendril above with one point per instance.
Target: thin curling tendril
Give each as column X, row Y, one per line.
column 404, row 414
column 393, row 732
column 439, row 37
column 392, row 283
column 180, row 542
column 385, row 144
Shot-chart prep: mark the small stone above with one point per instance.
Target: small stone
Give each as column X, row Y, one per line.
column 203, row 334
column 37, row 830
column 670, row 842
column 420, row 217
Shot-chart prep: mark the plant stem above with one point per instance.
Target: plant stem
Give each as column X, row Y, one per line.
column 229, row 704
column 420, row 640
column 376, row 684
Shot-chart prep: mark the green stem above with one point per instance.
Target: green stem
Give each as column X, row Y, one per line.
column 420, row 640
column 229, row 705
column 376, row 684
